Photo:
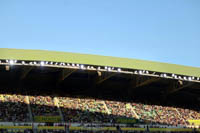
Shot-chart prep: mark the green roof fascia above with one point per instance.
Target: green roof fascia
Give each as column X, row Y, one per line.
column 42, row 55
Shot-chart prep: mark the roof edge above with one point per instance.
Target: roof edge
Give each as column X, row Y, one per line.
column 67, row 57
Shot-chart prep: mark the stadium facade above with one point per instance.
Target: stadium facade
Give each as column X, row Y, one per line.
column 81, row 91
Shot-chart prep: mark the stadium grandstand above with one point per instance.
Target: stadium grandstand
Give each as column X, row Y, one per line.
column 46, row 92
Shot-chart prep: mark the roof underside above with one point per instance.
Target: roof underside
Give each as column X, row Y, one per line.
column 42, row 55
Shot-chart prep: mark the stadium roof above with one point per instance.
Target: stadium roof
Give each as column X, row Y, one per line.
column 78, row 72
column 42, row 55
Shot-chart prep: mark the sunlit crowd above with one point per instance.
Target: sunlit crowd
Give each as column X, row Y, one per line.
column 78, row 109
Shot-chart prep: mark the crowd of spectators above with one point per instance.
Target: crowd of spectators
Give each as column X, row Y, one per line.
column 76, row 109
column 15, row 108
column 169, row 115
column 144, row 111
column 43, row 106
column 189, row 114
column 84, row 110
column 119, row 109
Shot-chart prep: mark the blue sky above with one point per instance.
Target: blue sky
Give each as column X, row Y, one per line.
column 158, row 30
